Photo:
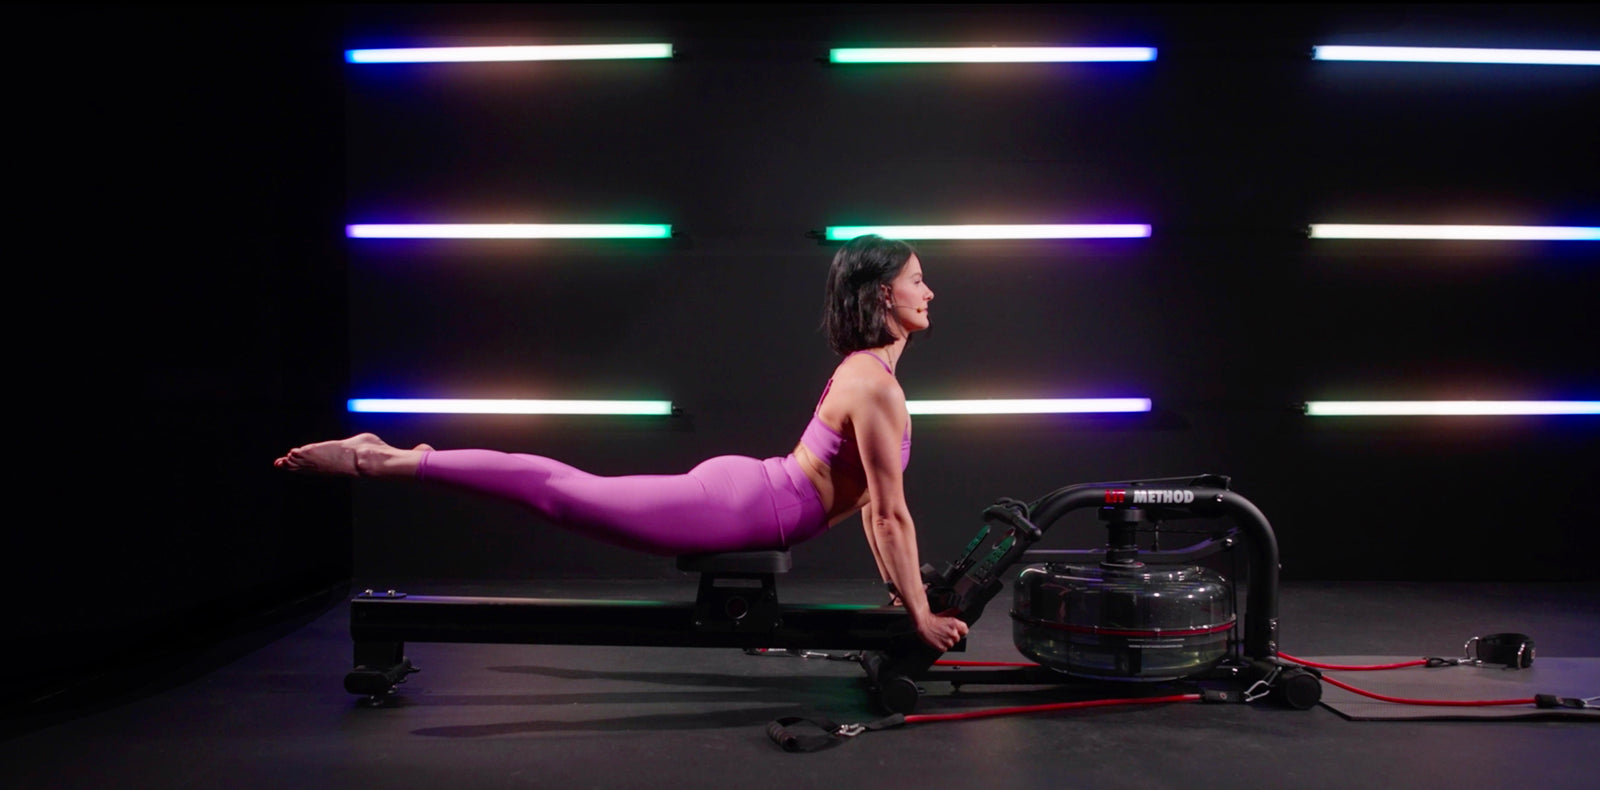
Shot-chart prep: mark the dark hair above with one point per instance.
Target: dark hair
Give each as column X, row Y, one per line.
column 854, row 316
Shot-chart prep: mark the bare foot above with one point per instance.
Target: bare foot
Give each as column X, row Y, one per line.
column 337, row 457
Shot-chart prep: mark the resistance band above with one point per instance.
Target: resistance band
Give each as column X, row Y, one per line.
column 1515, row 659
column 1513, row 650
column 833, row 734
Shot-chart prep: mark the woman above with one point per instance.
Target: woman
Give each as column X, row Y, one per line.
column 851, row 456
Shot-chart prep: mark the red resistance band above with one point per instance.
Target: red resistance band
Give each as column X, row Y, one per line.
column 1357, row 667
column 916, row 718
column 984, row 664
column 1285, row 656
column 833, row 734
column 1400, row 700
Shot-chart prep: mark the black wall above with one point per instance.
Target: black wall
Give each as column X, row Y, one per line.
column 1228, row 317
column 178, row 292
column 185, row 306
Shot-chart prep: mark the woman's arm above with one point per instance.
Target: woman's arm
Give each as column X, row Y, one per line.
column 879, row 419
column 877, row 556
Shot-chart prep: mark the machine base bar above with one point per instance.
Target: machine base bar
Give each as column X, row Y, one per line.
column 555, row 621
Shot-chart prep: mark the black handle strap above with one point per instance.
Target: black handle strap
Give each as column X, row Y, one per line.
column 801, row 739
column 1553, row 701
column 828, row 733
column 1512, row 650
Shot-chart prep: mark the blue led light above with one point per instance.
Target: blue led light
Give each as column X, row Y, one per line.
column 508, row 230
column 991, row 54
column 507, row 406
column 513, row 53
column 931, row 232
column 1449, row 408
column 1030, row 406
column 1458, row 232
column 1531, row 57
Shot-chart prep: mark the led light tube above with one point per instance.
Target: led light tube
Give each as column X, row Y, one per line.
column 1341, row 408
column 1466, row 232
column 505, row 406
column 489, row 54
column 508, row 231
column 1030, row 406
column 848, row 232
column 990, row 54
column 1536, row 57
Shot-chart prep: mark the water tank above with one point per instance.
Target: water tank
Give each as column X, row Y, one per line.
column 1147, row 623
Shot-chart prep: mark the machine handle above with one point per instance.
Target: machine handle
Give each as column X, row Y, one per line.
column 1014, row 514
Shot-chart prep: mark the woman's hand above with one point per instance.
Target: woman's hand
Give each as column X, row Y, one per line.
column 941, row 632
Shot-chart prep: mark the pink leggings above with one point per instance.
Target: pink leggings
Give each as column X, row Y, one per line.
column 728, row 503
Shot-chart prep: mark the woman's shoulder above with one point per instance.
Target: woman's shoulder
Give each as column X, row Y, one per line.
column 864, row 380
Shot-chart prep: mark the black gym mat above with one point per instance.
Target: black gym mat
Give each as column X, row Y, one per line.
column 1563, row 677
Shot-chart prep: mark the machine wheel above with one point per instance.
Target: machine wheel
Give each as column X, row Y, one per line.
column 367, row 683
column 1298, row 689
column 898, row 694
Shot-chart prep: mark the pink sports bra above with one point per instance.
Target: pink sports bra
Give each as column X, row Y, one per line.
column 826, row 443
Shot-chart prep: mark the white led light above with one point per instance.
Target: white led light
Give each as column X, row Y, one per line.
column 491, row 54
column 1030, row 406
column 1536, row 57
column 1449, row 408
column 991, row 54
column 848, row 232
column 506, row 406
column 1464, row 232
column 508, row 231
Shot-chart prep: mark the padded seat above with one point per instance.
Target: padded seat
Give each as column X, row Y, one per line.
column 737, row 562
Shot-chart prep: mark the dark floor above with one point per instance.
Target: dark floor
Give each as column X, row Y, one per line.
column 267, row 710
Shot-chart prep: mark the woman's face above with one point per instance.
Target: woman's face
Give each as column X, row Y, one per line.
column 908, row 298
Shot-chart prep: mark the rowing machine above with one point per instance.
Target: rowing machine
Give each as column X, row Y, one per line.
column 1097, row 623
column 1117, row 613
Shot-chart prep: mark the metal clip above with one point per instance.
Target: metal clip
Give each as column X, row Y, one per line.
column 1252, row 694
column 850, row 730
column 795, row 652
column 1262, row 687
